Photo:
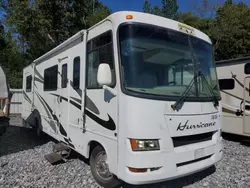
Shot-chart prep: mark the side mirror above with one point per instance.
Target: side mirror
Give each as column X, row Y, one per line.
column 104, row 76
column 227, row 84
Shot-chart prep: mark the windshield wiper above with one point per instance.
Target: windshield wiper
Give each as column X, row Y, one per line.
column 178, row 104
column 200, row 74
column 216, row 102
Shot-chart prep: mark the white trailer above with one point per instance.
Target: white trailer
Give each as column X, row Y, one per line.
column 137, row 94
column 234, row 78
column 4, row 102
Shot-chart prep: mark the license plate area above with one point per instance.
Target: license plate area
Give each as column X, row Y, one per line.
column 199, row 153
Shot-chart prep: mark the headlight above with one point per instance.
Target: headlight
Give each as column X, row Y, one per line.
column 144, row 145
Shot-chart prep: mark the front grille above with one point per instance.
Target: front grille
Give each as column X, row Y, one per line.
column 193, row 161
column 192, row 139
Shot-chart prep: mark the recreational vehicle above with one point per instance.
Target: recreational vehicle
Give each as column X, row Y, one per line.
column 4, row 102
column 234, row 79
column 137, row 94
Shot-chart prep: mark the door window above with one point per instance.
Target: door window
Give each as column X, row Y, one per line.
column 99, row 50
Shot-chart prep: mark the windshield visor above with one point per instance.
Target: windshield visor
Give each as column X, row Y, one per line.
column 159, row 62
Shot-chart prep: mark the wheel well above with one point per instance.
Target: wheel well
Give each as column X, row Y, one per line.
column 92, row 146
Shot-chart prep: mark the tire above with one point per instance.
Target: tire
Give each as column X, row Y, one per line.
column 38, row 130
column 107, row 181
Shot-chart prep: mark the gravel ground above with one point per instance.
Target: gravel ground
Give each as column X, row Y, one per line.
column 22, row 164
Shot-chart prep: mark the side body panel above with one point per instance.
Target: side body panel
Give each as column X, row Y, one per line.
column 101, row 105
column 233, row 100
column 78, row 116
column 60, row 108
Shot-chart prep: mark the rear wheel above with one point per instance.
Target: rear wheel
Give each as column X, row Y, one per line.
column 38, row 129
column 100, row 169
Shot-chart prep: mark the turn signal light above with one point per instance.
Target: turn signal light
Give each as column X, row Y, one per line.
column 138, row 170
column 129, row 17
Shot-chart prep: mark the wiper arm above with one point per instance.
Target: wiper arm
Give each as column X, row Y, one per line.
column 216, row 102
column 178, row 104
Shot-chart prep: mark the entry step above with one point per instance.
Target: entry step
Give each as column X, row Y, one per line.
column 61, row 152
column 60, row 147
column 54, row 158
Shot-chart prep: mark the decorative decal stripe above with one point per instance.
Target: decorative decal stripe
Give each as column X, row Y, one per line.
column 38, row 74
column 91, row 105
column 71, row 102
column 51, row 123
column 234, row 96
column 110, row 124
column 241, row 84
column 38, row 80
column 26, row 97
column 51, row 111
column 71, row 145
column 225, row 110
column 61, row 129
column 68, row 141
column 77, row 100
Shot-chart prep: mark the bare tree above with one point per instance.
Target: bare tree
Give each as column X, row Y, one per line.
column 205, row 8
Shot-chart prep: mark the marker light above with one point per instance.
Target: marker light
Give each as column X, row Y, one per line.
column 129, row 17
column 138, row 170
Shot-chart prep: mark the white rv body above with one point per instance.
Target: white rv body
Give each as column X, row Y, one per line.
column 235, row 116
column 189, row 139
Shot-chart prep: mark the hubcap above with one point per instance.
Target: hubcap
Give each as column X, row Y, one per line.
column 102, row 166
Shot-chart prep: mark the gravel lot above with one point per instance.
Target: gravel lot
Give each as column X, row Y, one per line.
column 22, row 164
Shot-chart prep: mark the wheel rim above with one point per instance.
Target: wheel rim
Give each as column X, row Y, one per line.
column 101, row 166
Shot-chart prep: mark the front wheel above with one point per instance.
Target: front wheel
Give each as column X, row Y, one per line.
column 100, row 170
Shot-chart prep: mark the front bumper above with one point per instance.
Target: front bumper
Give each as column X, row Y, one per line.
column 178, row 163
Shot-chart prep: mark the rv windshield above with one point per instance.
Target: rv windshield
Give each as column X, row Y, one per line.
column 158, row 62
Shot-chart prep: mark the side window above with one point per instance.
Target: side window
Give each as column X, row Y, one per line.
column 76, row 73
column 64, row 75
column 28, row 83
column 226, row 84
column 50, row 78
column 247, row 68
column 99, row 50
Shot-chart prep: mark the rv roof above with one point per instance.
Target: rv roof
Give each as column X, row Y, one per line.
column 233, row 60
column 120, row 17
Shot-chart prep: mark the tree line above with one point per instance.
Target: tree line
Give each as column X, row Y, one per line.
column 30, row 28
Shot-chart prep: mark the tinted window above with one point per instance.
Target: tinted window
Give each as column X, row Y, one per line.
column 64, row 76
column 28, row 83
column 50, row 78
column 227, row 84
column 100, row 50
column 247, row 68
column 76, row 73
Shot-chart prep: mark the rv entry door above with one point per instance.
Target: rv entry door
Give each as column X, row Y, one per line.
column 63, row 98
column 246, row 106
